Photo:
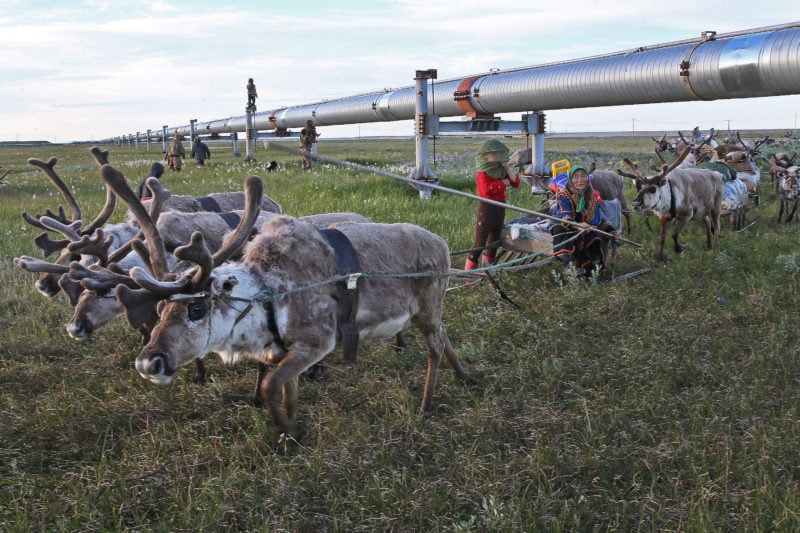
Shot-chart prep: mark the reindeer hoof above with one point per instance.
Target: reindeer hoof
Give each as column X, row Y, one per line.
column 288, row 435
column 316, row 372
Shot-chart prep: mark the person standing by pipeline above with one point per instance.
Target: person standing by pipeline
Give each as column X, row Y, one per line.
column 176, row 153
column 308, row 136
column 492, row 178
column 252, row 94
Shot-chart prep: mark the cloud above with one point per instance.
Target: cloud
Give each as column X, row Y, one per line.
column 102, row 68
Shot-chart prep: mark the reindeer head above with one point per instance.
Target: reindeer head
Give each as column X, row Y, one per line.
column 185, row 306
column 648, row 189
column 49, row 283
column 788, row 183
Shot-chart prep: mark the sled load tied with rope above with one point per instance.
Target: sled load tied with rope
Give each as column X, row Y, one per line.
column 525, row 242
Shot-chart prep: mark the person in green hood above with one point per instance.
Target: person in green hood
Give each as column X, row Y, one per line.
column 492, row 178
column 580, row 248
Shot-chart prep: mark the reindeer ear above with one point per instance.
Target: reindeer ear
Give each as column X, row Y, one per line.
column 224, row 285
column 73, row 289
column 140, row 306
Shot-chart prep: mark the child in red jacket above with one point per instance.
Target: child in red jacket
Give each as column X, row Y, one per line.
column 492, row 178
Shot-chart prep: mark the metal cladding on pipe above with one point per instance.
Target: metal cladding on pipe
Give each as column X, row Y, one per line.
column 746, row 64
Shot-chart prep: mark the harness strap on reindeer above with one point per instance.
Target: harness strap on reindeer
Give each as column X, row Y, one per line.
column 346, row 262
column 209, row 204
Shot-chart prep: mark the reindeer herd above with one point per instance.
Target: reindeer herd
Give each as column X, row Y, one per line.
column 281, row 290
column 246, row 281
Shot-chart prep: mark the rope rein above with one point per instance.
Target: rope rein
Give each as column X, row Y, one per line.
column 267, row 295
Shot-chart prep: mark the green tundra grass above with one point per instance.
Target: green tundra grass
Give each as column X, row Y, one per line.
column 668, row 401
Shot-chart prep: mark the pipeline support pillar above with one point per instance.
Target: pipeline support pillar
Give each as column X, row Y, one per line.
column 250, row 134
column 424, row 125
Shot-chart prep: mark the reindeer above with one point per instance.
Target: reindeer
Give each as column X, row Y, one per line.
column 778, row 162
column 280, row 305
column 217, row 202
column 49, row 283
column 787, row 189
column 740, row 155
column 697, row 153
column 98, row 306
column 680, row 194
column 662, row 145
column 51, row 280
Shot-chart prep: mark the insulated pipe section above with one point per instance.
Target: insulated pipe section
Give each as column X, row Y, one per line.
column 747, row 64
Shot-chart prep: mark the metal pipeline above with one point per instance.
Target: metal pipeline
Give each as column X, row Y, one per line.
column 746, row 64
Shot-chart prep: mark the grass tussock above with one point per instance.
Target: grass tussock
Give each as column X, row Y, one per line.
column 663, row 402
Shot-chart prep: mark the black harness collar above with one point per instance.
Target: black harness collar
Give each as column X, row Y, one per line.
column 209, row 204
column 272, row 326
column 346, row 261
column 672, row 208
column 231, row 219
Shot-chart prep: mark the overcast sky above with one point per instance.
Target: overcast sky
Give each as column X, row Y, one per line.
column 94, row 69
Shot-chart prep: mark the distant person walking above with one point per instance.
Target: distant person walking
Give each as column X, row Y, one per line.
column 176, row 153
column 308, row 136
column 200, row 151
column 252, row 94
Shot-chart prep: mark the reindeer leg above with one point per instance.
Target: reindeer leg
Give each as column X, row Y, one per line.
column 290, row 398
column 439, row 343
column 262, row 372
column 270, row 390
column 679, row 224
column 399, row 341
column 790, row 216
column 715, row 225
column 662, row 238
column 434, row 357
column 278, row 390
column 200, row 374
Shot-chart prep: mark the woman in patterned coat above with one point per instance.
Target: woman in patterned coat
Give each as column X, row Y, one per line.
column 579, row 248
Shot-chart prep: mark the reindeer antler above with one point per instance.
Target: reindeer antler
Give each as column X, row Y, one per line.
column 158, row 288
column 31, row 264
column 706, row 140
column 197, row 251
column 97, row 246
column 48, row 245
column 48, row 169
column 667, row 169
column 635, row 169
column 70, row 231
column 104, row 215
column 253, row 192
column 101, row 156
column 159, row 197
column 97, row 278
column 627, row 174
column 116, row 181
column 760, row 142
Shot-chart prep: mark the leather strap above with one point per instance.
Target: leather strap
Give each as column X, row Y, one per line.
column 346, row 261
